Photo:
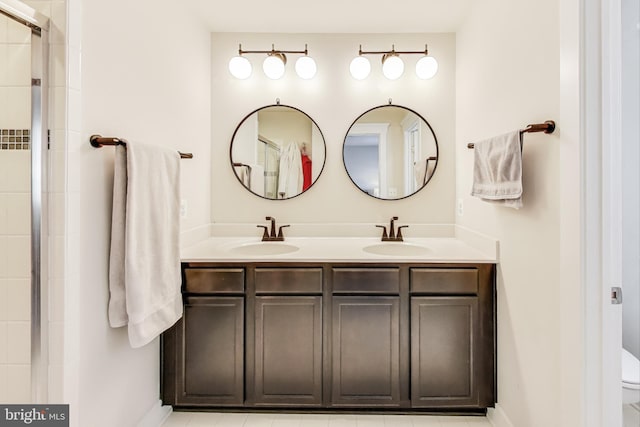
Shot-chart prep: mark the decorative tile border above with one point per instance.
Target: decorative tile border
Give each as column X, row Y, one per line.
column 15, row 139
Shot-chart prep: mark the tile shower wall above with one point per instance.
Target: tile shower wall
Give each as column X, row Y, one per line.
column 15, row 224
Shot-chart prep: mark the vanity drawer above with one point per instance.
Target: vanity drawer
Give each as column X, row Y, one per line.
column 214, row 280
column 366, row 280
column 444, row 281
column 288, row 280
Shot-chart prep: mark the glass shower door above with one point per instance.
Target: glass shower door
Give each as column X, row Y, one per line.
column 15, row 211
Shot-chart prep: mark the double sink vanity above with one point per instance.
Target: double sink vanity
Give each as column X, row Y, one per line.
column 335, row 323
column 334, row 316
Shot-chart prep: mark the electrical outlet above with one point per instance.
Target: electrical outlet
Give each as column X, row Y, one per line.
column 393, row 192
column 183, row 208
column 460, row 207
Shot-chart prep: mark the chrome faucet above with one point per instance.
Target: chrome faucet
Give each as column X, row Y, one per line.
column 270, row 236
column 392, row 236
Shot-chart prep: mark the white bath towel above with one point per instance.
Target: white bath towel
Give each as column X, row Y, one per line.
column 290, row 178
column 144, row 265
column 497, row 170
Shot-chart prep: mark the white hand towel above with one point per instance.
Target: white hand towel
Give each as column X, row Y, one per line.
column 497, row 170
column 144, row 267
column 420, row 172
column 257, row 179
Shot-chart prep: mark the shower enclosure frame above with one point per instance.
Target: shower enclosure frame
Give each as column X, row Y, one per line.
column 39, row 26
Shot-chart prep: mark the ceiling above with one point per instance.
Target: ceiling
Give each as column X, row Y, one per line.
column 330, row 16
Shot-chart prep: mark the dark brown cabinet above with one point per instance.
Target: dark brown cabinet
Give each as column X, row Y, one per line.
column 210, row 363
column 366, row 345
column 333, row 335
column 443, row 351
column 288, row 350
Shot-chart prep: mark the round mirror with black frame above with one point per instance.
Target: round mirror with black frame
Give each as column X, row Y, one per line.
column 390, row 152
column 277, row 152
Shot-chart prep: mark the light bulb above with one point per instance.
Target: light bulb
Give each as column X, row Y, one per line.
column 426, row 67
column 392, row 67
column 360, row 68
column 273, row 67
column 240, row 67
column 306, row 67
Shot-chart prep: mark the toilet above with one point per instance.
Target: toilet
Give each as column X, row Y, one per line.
column 630, row 378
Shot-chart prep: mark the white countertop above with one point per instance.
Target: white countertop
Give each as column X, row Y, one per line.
column 335, row 249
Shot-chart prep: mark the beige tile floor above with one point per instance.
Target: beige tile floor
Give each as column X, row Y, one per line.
column 215, row 419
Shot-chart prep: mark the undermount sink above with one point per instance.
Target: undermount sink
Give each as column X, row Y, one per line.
column 397, row 249
column 264, row 248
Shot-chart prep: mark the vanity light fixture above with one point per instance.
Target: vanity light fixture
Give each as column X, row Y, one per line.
column 274, row 64
column 392, row 64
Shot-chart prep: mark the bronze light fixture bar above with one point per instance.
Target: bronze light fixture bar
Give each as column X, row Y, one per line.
column 100, row 141
column 393, row 52
column 547, row 127
column 274, row 52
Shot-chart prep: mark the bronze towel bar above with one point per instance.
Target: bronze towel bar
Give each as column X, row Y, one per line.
column 547, row 127
column 100, row 141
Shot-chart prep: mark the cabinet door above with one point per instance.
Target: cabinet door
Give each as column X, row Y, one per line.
column 288, row 350
column 444, row 353
column 366, row 345
column 210, row 354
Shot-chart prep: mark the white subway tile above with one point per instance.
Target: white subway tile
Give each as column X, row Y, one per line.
column 74, row 182
column 4, row 69
column 57, row 66
column 4, row 250
column 4, row 94
column 3, row 30
column 74, row 209
column 19, row 383
column 57, row 256
column 17, row 33
column 3, row 300
column 59, row 18
column 59, row 58
column 74, row 65
column 59, row 107
column 18, row 215
column 19, row 71
column 74, row 27
column 18, row 293
column 75, row 110
column 56, row 300
column 18, row 112
column 58, row 140
column 58, row 171
column 16, row 166
column 57, row 209
column 18, row 342
column 3, row 209
column 3, row 342
column 3, row 371
column 56, row 342
column 19, row 257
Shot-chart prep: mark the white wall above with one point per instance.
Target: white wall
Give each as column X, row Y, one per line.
column 145, row 77
column 334, row 100
column 508, row 75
